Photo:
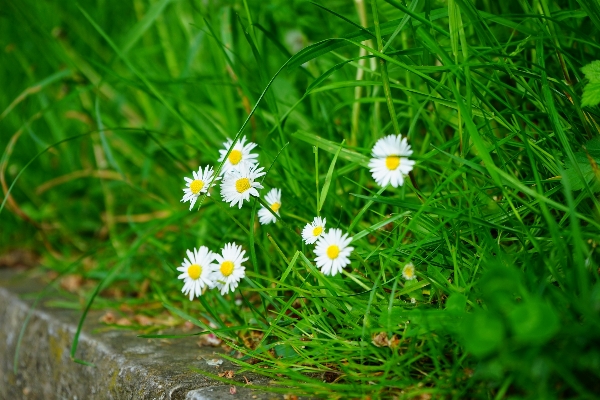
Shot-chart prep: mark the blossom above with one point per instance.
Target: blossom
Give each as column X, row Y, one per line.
column 238, row 185
column 273, row 199
column 313, row 231
column 203, row 180
column 239, row 155
column 228, row 269
column 196, row 271
column 332, row 251
column 390, row 164
column 408, row 272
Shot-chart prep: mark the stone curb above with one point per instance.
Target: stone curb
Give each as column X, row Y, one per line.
column 126, row 367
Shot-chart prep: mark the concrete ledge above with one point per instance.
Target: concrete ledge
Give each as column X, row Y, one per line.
column 127, row 367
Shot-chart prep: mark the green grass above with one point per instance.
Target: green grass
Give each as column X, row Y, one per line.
column 106, row 106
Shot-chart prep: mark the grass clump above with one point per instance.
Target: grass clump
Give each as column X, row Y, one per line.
column 106, row 106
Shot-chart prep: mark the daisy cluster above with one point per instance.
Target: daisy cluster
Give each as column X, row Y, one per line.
column 239, row 174
column 204, row 269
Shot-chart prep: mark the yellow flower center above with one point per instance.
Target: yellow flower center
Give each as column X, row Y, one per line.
column 196, row 186
column 227, row 268
column 409, row 271
column 275, row 206
column 235, row 157
column 317, row 231
column 242, row 184
column 194, row 271
column 333, row 251
column 392, row 162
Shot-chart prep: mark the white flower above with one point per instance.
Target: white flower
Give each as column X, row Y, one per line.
column 228, row 269
column 313, row 231
column 238, row 156
column 332, row 251
column 238, row 185
column 390, row 164
column 200, row 184
column 408, row 272
column 196, row 271
column 273, row 199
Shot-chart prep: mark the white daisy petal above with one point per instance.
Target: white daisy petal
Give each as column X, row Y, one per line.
column 332, row 254
column 202, row 182
column 313, row 231
column 390, row 162
column 239, row 155
column 197, row 271
column 273, row 199
column 238, row 185
column 228, row 269
column 408, row 272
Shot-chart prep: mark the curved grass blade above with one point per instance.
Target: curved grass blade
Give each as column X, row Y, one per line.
column 143, row 25
column 328, row 178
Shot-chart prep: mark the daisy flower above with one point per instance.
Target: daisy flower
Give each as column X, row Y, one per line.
column 313, row 231
column 273, row 198
column 228, row 269
column 408, row 272
column 238, row 185
column 203, row 180
column 390, row 164
column 332, row 251
column 238, row 156
column 196, row 271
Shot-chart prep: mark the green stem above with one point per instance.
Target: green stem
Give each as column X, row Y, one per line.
column 384, row 73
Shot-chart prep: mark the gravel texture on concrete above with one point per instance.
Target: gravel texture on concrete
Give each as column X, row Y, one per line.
column 125, row 366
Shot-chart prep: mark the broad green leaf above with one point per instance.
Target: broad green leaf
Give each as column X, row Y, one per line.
column 437, row 321
column 456, row 302
column 592, row 71
column 573, row 177
column 284, row 351
column 587, row 161
column 499, row 287
column 421, row 321
column 413, row 289
column 593, row 147
column 534, row 322
column 482, row 333
column 591, row 95
column 591, row 91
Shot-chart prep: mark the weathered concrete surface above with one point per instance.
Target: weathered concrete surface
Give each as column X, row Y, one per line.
column 126, row 367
